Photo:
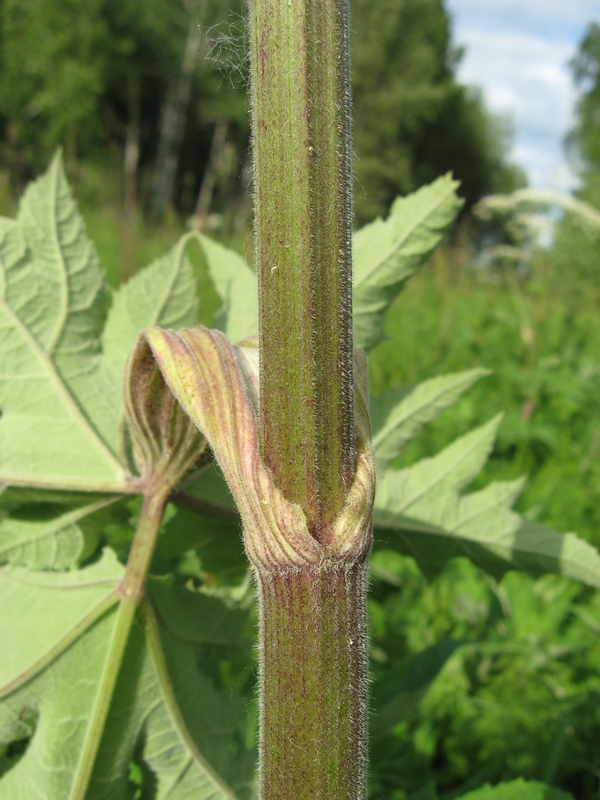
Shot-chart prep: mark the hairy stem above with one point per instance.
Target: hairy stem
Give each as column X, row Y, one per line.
column 313, row 683
column 313, row 670
column 302, row 193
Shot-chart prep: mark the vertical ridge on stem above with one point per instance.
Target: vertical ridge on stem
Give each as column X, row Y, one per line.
column 314, row 686
column 303, row 220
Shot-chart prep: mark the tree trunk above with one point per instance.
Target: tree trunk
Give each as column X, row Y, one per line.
column 172, row 124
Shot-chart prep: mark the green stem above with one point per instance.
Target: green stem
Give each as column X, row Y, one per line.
column 314, row 683
column 131, row 590
column 302, row 193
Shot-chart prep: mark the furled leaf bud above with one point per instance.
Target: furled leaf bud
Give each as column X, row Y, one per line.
column 165, row 442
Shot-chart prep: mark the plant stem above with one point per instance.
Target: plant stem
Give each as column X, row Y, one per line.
column 302, row 194
column 313, row 670
column 314, row 685
column 131, row 591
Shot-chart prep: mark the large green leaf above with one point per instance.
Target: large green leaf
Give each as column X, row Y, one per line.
column 388, row 252
column 165, row 713
column 52, row 302
column 61, row 418
column 61, row 374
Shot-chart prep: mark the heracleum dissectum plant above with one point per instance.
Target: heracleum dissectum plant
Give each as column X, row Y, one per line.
column 312, row 613
column 111, row 683
column 302, row 474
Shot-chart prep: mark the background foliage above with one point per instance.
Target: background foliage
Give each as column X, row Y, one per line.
column 494, row 681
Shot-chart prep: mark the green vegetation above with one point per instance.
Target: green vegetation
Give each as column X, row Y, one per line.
column 486, row 681
column 153, row 98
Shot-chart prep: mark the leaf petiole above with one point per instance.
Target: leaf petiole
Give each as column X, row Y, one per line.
column 131, row 591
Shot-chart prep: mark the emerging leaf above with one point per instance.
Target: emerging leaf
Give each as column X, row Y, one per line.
column 165, row 442
column 201, row 368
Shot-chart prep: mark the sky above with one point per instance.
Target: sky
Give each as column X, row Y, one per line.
column 517, row 52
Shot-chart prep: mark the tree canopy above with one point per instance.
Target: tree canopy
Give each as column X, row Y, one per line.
column 413, row 120
column 101, row 78
column 584, row 139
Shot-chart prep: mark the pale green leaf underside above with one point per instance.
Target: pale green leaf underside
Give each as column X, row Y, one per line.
column 164, row 710
column 398, row 416
column 235, row 284
column 55, row 543
column 163, row 293
column 387, row 252
column 61, row 375
column 51, row 316
column 518, row 790
column 412, row 489
column 43, row 611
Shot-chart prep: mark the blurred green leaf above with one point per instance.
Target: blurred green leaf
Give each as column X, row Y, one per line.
column 517, row 790
column 388, row 252
column 398, row 695
column 236, row 285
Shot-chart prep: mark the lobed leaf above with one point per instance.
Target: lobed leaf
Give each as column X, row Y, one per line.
column 398, row 416
column 166, row 714
column 61, row 374
column 53, row 400
column 388, row 252
column 420, row 511
column 414, row 489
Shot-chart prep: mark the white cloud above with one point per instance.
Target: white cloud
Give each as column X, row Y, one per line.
column 534, row 14
column 518, row 51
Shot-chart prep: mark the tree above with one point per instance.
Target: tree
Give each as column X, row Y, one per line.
column 84, row 77
column 51, row 84
column 412, row 120
column 584, row 140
